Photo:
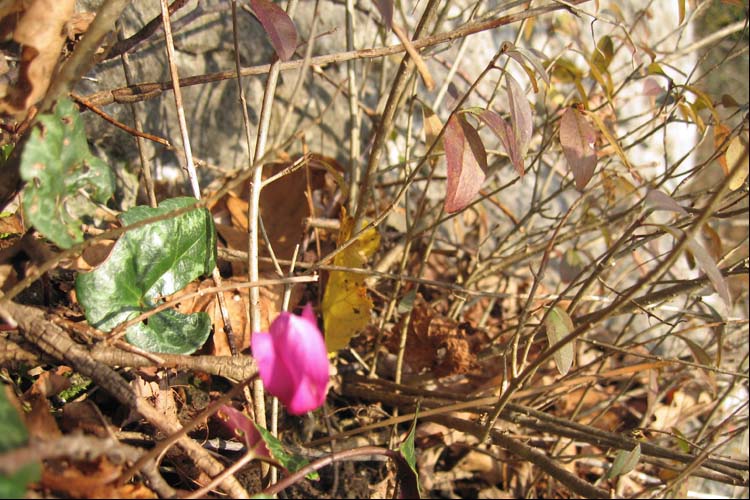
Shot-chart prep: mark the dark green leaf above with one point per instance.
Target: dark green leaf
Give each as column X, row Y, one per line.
column 12, row 435
column 146, row 264
column 63, row 178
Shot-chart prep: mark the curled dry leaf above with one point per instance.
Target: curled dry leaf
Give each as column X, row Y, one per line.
column 279, row 27
column 467, row 162
column 577, row 138
column 237, row 307
column 435, row 343
column 706, row 262
column 40, row 31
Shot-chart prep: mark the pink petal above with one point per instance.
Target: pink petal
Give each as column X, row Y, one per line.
column 293, row 361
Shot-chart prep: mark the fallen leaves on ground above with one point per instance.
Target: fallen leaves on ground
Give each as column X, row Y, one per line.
column 39, row 29
column 435, row 343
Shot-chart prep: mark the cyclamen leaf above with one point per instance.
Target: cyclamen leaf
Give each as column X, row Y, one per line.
column 577, row 138
column 62, row 177
column 467, row 162
column 278, row 26
column 386, row 10
column 559, row 325
column 146, row 264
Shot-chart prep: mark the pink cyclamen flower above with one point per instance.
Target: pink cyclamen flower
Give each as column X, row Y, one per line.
column 293, row 361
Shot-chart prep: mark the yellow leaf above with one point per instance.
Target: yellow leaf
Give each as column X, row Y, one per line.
column 736, row 154
column 346, row 306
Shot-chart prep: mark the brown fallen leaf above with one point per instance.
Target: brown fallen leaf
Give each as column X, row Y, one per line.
column 95, row 479
column 40, row 31
column 283, row 208
column 435, row 343
column 237, row 307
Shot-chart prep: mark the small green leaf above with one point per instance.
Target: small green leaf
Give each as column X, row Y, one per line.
column 655, row 69
column 559, row 325
column 63, row 179
column 603, row 54
column 289, row 461
column 625, row 461
column 406, row 303
column 682, row 441
column 12, row 435
column 147, row 264
column 406, row 466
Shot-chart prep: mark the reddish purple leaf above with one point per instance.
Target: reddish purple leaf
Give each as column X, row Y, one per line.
column 386, row 10
column 504, row 132
column 244, row 428
column 520, row 118
column 521, row 55
column 577, row 139
column 278, row 26
column 467, row 161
